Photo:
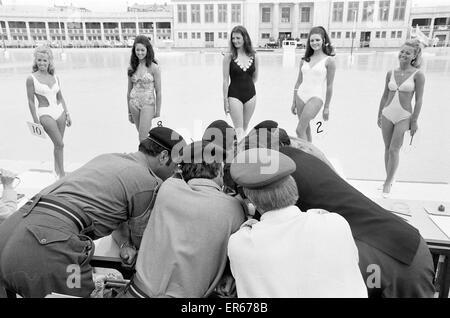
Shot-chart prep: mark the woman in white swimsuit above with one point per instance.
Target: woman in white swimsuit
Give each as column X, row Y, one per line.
column 51, row 112
column 144, row 86
column 395, row 115
column 314, row 85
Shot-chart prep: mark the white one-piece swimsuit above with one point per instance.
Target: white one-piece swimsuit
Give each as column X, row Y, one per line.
column 314, row 82
column 53, row 109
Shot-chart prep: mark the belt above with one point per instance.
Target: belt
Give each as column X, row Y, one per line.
column 57, row 205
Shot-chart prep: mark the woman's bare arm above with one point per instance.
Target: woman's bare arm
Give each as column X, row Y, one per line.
column 30, row 96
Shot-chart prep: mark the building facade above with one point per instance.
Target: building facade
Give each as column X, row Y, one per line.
column 207, row 23
column 28, row 26
column 434, row 22
column 375, row 23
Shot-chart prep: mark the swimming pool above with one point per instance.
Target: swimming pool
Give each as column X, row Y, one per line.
column 94, row 85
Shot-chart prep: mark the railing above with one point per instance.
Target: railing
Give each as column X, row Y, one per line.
column 442, row 27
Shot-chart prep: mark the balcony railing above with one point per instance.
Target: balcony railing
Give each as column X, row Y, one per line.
column 442, row 27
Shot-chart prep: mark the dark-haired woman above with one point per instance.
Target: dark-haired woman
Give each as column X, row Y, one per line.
column 240, row 71
column 314, row 86
column 144, row 86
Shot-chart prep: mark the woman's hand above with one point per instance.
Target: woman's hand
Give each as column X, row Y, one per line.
column 128, row 254
column 326, row 113
column 413, row 127
column 157, row 114
column 130, row 118
column 294, row 108
column 379, row 121
column 226, row 106
column 68, row 120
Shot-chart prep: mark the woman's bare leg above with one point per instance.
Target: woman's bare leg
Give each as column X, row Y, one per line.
column 52, row 129
column 310, row 110
column 145, row 122
column 237, row 116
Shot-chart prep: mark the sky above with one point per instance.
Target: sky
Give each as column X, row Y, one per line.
column 121, row 5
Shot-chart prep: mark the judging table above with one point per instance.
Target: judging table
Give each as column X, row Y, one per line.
column 438, row 242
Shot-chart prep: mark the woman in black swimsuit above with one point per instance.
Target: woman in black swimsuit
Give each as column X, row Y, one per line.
column 240, row 66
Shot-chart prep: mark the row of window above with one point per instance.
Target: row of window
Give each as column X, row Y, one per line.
column 14, row 26
column 198, row 35
column 90, row 38
column 368, row 11
column 222, row 10
column 378, row 34
column 266, row 14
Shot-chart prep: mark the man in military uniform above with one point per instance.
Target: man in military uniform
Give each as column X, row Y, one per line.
column 46, row 245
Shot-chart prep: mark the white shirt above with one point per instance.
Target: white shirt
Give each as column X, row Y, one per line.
column 294, row 254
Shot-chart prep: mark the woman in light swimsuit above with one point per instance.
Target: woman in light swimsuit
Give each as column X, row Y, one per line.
column 144, row 86
column 240, row 71
column 52, row 111
column 395, row 115
column 314, row 86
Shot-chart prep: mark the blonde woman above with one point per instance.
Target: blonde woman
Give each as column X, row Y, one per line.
column 43, row 86
column 396, row 114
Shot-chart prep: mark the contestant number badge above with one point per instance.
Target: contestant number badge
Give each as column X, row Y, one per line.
column 36, row 130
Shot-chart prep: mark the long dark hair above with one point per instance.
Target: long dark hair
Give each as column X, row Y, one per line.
column 134, row 60
column 247, row 41
column 326, row 45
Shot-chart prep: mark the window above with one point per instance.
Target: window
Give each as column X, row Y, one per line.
column 399, row 34
column 352, row 13
column 265, row 35
column 368, row 8
column 265, row 15
column 209, row 13
column 220, row 35
column 305, row 15
column 184, row 35
column 399, row 10
column 303, row 35
column 333, row 35
column 180, row 35
column 383, row 13
column 285, row 15
column 193, row 35
column 198, row 35
column 383, row 34
column 377, row 34
column 195, row 13
column 235, row 13
column 347, row 35
column 338, row 11
column 338, row 34
column 222, row 13
column 182, row 13
column 225, row 35
column 393, row 34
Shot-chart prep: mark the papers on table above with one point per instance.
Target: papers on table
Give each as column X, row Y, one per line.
column 443, row 222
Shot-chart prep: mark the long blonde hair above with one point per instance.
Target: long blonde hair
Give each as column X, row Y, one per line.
column 44, row 50
column 417, row 46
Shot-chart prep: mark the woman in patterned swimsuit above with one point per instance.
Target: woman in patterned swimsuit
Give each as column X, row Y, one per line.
column 144, row 86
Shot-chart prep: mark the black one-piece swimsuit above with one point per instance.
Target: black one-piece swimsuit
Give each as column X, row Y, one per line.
column 241, row 85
